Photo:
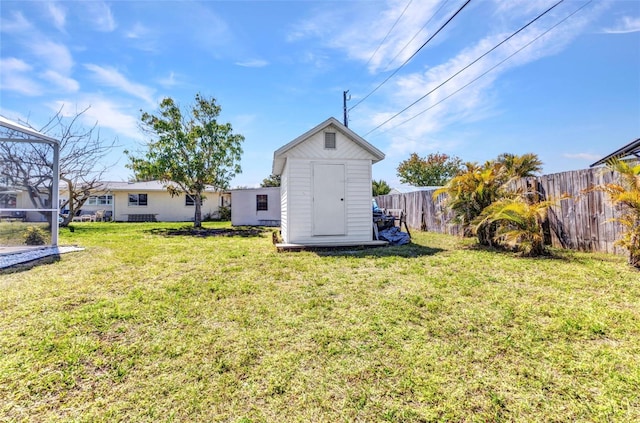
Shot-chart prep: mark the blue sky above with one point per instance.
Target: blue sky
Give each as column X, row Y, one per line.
column 278, row 68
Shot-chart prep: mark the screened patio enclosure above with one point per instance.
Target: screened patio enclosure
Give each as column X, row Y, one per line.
column 29, row 169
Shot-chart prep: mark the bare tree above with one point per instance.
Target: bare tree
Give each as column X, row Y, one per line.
column 28, row 165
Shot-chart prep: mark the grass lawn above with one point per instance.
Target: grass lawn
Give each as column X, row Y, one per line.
column 143, row 326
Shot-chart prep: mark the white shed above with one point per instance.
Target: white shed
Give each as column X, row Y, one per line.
column 325, row 187
column 255, row 206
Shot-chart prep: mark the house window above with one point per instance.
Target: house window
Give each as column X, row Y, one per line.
column 8, row 201
column 190, row 200
column 100, row 200
column 330, row 140
column 262, row 202
column 137, row 199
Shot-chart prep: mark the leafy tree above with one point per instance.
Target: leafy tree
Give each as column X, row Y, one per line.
column 626, row 194
column 82, row 152
column 379, row 188
column 434, row 170
column 189, row 150
column 476, row 187
column 271, row 181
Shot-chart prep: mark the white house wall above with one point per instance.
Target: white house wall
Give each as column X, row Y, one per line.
column 300, row 196
column 243, row 206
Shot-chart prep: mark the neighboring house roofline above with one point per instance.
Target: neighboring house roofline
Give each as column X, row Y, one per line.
column 279, row 157
column 631, row 149
column 114, row 186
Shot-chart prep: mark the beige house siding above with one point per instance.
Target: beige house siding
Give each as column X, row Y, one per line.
column 159, row 202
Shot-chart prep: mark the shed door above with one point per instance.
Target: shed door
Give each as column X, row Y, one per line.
column 328, row 199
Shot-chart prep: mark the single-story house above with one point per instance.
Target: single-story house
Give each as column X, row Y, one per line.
column 325, row 191
column 255, row 206
column 133, row 201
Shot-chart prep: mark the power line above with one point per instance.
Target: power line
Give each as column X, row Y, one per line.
column 385, row 37
column 418, row 32
column 492, row 68
column 412, row 56
column 466, row 67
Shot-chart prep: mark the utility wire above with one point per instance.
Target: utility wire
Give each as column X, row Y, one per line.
column 385, row 37
column 492, row 68
column 466, row 67
column 416, row 34
column 412, row 56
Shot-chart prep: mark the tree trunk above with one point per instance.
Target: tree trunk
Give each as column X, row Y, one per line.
column 197, row 218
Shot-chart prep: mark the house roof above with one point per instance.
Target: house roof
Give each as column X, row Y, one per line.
column 28, row 134
column 254, row 189
column 405, row 189
column 138, row 186
column 631, row 149
column 279, row 156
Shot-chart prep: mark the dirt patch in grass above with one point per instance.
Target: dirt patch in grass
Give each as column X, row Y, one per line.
column 208, row 232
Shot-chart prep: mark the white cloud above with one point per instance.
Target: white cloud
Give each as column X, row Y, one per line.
column 112, row 78
column 137, row 31
column 106, row 113
column 254, row 63
column 14, row 77
column 17, row 24
column 53, row 55
column 169, row 81
column 99, row 13
column 58, row 15
column 582, row 156
column 625, row 25
column 63, row 82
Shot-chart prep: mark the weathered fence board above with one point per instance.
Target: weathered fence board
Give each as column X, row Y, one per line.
column 580, row 219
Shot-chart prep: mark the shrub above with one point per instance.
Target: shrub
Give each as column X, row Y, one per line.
column 34, row 236
column 225, row 213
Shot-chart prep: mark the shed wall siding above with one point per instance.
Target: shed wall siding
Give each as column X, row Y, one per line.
column 313, row 148
column 284, row 202
column 300, row 197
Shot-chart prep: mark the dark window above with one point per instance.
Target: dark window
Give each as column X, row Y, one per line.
column 8, row 201
column 190, row 200
column 262, row 202
column 330, row 140
column 137, row 199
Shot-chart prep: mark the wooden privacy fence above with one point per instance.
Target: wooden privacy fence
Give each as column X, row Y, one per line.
column 580, row 222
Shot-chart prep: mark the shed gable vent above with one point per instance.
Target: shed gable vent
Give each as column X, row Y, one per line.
column 330, row 140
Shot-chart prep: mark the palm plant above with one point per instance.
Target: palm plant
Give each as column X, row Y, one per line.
column 626, row 194
column 473, row 189
column 476, row 187
column 518, row 223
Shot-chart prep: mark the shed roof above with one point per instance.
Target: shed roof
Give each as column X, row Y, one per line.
column 279, row 156
column 631, row 149
column 28, row 134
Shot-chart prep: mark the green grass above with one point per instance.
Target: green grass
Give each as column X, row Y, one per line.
column 147, row 327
